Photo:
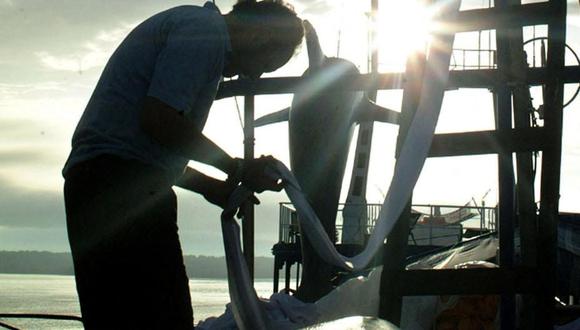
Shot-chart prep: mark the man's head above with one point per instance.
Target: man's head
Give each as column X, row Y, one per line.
column 264, row 36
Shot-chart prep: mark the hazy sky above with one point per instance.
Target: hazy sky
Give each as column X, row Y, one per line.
column 52, row 53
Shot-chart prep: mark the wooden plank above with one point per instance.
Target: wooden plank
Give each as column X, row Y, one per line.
column 485, row 78
column 488, row 142
column 551, row 163
column 466, row 281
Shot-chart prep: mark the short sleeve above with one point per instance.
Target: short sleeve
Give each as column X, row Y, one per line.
column 191, row 58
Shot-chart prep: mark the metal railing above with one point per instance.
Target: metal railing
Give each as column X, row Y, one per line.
column 473, row 59
column 430, row 225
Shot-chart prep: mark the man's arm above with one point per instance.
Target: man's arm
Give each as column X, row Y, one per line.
column 196, row 181
column 213, row 190
column 168, row 127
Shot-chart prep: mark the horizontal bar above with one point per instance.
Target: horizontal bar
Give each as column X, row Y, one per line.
column 489, row 142
column 465, row 281
column 289, row 85
column 487, row 78
column 505, row 17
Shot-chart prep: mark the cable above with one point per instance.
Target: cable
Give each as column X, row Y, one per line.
column 239, row 113
column 8, row 326
column 339, row 37
column 41, row 316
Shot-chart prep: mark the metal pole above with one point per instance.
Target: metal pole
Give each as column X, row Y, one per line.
column 287, row 276
column 482, row 225
column 356, row 197
column 248, row 221
column 276, row 273
column 526, row 209
column 394, row 252
column 505, row 175
column 297, row 275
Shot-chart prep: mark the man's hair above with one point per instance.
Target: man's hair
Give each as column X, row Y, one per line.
column 275, row 15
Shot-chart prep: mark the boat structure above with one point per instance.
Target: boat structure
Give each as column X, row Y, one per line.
column 388, row 260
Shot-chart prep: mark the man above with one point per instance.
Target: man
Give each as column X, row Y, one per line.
column 142, row 124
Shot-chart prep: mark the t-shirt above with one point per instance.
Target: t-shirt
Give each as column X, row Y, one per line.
column 176, row 56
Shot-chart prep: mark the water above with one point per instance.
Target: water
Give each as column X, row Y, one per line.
column 57, row 295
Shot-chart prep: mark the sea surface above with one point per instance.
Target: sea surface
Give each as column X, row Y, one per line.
column 56, row 294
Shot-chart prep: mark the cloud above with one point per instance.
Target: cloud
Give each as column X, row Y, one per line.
column 63, row 63
column 19, row 156
column 314, row 7
column 29, row 208
column 56, row 35
column 92, row 54
column 12, row 129
column 573, row 20
column 24, row 90
column 115, row 35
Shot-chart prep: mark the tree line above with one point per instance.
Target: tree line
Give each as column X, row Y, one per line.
column 43, row 262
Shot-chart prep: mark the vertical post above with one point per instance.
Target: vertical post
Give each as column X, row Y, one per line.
column 522, row 102
column 551, row 162
column 297, row 274
column 505, row 173
column 287, row 276
column 276, row 273
column 395, row 250
column 352, row 231
column 375, row 49
column 482, row 225
column 248, row 221
column 525, row 195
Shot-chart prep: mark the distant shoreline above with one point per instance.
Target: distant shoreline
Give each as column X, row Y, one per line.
column 269, row 279
column 60, row 263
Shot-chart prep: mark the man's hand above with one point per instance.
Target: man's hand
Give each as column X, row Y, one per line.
column 213, row 190
column 220, row 192
column 255, row 176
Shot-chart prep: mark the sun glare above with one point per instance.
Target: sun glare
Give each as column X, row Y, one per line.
column 403, row 27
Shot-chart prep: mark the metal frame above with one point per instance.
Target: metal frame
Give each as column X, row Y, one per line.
column 536, row 276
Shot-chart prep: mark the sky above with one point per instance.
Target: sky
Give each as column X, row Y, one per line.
column 51, row 56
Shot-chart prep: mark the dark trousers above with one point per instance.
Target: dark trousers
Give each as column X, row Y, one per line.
column 121, row 221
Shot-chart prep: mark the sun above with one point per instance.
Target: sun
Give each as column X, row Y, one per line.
column 403, row 26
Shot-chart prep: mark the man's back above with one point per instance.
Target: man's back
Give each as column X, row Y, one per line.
column 176, row 56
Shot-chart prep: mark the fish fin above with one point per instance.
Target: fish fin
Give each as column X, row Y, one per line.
column 274, row 117
column 315, row 54
column 375, row 112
